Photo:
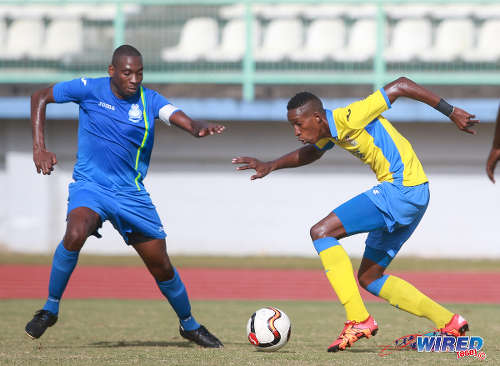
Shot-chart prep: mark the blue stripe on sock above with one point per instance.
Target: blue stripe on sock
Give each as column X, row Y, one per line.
column 176, row 294
column 324, row 243
column 376, row 285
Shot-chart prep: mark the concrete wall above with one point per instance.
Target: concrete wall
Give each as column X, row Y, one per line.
column 209, row 208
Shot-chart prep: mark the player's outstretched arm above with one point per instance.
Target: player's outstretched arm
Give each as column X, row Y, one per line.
column 299, row 157
column 44, row 160
column 404, row 87
column 195, row 128
column 494, row 156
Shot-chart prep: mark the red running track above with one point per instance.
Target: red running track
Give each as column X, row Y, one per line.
column 246, row 284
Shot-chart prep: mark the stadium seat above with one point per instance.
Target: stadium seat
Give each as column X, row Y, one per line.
column 487, row 11
column 199, row 37
column 282, row 11
column 453, row 39
column 24, row 39
column 57, row 47
column 281, row 38
column 3, row 34
column 324, row 38
column 488, row 47
column 326, row 11
column 361, row 42
column 410, row 38
column 407, row 11
column 361, row 11
column 451, row 11
column 233, row 42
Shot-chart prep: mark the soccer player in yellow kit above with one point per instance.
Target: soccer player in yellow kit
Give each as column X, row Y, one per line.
column 389, row 211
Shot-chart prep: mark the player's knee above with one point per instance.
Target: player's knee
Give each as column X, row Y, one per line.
column 74, row 238
column 318, row 231
column 365, row 278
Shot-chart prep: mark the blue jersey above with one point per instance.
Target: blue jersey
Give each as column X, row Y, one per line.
column 115, row 136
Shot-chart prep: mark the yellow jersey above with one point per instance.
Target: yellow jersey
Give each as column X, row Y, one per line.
column 361, row 129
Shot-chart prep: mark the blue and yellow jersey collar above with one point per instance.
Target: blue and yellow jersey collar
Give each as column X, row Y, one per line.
column 331, row 122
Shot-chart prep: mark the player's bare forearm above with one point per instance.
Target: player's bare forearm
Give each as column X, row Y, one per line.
column 404, row 87
column 196, row 128
column 299, row 157
column 303, row 156
column 494, row 155
column 44, row 160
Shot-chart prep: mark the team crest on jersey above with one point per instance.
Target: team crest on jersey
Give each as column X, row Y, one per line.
column 135, row 113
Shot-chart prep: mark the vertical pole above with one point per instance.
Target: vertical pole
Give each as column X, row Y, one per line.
column 248, row 61
column 119, row 25
column 379, row 62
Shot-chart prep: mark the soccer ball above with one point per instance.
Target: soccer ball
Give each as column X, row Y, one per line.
column 268, row 329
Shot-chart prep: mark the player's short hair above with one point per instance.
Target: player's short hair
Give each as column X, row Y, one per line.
column 299, row 99
column 124, row 50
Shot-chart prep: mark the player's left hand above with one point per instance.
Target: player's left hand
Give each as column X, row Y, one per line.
column 464, row 120
column 210, row 129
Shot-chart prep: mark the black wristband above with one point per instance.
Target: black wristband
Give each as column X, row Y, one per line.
column 444, row 107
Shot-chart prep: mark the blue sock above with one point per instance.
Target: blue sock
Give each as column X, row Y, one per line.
column 63, row 264
column 376, row 285
column 176, row 294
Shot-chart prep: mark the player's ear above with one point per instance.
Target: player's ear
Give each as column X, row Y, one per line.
column 111, row 70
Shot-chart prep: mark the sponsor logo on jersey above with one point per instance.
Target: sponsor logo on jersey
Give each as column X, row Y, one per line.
column 106, row 105
column 135, row 113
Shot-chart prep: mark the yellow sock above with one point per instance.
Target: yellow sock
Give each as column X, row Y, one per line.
column 405, row 296
column 339, row 272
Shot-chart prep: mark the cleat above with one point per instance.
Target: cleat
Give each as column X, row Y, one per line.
column 40, row 322
column 201, row 337
column 456, row 327
column 352, row 332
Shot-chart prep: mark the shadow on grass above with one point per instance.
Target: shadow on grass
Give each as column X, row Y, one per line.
column 118, row 344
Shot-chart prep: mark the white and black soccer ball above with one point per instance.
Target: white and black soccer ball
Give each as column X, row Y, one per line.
column 268, row 329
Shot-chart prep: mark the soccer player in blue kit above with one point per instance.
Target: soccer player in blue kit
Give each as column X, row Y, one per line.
column 390, row 211
column 115, row 139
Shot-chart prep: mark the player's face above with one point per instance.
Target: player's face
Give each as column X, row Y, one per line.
column 126, row 75
column 306, row 123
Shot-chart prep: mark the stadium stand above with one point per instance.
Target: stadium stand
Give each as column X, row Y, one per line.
column 199, row 36
column 488, row 47
column 233, row 42
column 24, row 39
column 454, row 37
column 57, row 47
column 281, row 38
column 361, row 42
column 323, row 39
column 404, row 46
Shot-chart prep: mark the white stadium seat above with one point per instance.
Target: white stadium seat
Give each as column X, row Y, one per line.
column 326, row 11
column 487, row 11
column 63, row 38
column 488, row 46
column 324, row 38
column 24, row 39
column 453, row 39
column 361, row 42
column 3, row 34
column 410, row 38
column 199, row 37
column 407, row 11
column 233, row 42
column 281, row 39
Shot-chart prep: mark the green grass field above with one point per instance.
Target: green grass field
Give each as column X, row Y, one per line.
column 136, row 332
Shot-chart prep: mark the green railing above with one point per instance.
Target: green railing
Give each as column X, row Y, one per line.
column 158, row 23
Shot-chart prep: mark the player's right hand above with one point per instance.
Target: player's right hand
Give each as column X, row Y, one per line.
column 493, row 158
column 44, row 161
column 464, row 120
column 261, row 168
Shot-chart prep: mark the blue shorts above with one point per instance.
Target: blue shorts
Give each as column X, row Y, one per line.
column 128, row 212
column 390, row 213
